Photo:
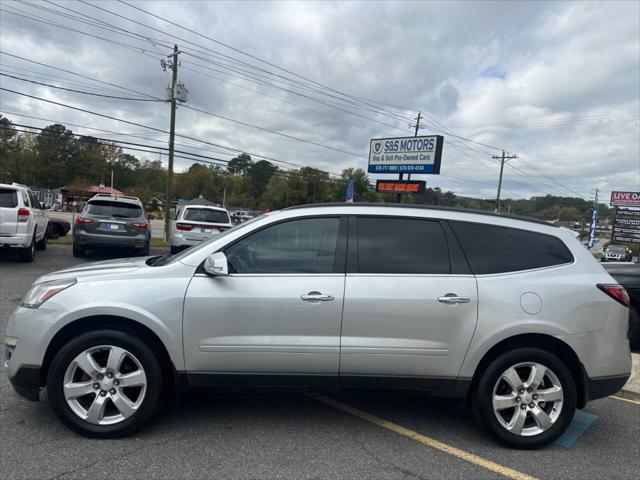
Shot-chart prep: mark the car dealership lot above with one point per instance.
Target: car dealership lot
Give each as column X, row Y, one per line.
column 293, row 435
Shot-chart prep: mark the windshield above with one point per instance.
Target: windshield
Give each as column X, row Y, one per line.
column 109, row 208
column 617, row 248
column 166, row 259
column 206, row 215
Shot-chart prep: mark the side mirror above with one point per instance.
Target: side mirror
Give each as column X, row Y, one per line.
column 216, row 265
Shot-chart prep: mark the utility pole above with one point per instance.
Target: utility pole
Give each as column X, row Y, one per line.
column 502, row 160
column 417, row 127
column 172, row 131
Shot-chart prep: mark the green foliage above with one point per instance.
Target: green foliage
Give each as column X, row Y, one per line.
column 55, row 157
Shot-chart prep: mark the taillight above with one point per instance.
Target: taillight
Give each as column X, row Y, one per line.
column 23, row 215
column 140, row 226
column 81, row 220
column 184, row 226
column 617, row 292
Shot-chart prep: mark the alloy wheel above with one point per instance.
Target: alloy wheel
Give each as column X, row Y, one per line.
column 105, row 385
column 527, row 399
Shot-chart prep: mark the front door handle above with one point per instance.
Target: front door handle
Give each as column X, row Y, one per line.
column 453, row 299
column 317, row 297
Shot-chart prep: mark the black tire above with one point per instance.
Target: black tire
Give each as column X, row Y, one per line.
column 144, row 251
column 42, row 244
column 27, row 254
column 147, row 409
column 483, row 395
column 78, row 251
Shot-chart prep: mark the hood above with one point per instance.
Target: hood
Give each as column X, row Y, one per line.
column 97, row 269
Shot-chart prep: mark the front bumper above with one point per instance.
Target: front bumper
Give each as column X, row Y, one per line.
column 26, row 382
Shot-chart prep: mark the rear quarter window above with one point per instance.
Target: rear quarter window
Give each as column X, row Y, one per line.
column 8, row 198
column 494, row 249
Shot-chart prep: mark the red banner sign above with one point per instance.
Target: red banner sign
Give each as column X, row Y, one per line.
column 625, row 199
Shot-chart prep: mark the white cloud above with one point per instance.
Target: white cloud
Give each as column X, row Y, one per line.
column 567, row 74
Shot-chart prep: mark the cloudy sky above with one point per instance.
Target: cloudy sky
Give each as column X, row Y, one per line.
column 557, row 84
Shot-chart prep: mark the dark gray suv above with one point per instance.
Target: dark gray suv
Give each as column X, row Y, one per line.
column 108, row 221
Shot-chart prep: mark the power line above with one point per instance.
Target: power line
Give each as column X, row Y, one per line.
column 80, row 91
column 360, row 99
column 76, row 74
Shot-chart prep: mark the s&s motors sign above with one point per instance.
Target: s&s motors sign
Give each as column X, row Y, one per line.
column 625, row 199
column 406, row 154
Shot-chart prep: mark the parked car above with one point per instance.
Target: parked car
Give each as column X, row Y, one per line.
column 616, row 253
column 196, row 223
column 23, row 221
column 110, row 221
column 628, row 275
column 58, row 227
column 503, row 311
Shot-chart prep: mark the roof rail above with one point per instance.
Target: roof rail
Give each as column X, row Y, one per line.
column 424, row 207
column 126, row 197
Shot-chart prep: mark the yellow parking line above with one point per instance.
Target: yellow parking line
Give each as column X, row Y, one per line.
column 625, row 399
column 430, row 442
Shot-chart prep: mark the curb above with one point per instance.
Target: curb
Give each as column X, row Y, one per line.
column 629, row 395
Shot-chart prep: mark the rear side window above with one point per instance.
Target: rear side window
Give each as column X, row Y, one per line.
column 401, row 245
column 109, row 208
column 493, row 249
column 8, row 198
column 206, row 215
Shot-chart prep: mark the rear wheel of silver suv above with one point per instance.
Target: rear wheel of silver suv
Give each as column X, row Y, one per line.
column 526, row 398
column 105, row 384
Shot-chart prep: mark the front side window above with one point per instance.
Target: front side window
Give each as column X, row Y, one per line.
column 299, row 246
column 110, row 208
column 494, row 249
column 205, row 215
column 401, row 246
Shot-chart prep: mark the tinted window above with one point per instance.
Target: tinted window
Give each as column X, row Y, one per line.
column 109, row 208
column 8, row 198
column 492, row 249
column 399, row 245
column 206, row 215
column 299, row 246
column 35, row 203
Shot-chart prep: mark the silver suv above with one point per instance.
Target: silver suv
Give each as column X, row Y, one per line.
column 23, row 221
column 108, row 221
column 513, row 314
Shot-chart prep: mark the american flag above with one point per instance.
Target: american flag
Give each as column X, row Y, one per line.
column 349, row 198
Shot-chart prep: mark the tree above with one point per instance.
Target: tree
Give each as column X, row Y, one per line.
column 240, row 165
column 56, row 149
column 259, row 175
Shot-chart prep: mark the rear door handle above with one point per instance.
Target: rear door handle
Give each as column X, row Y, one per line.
column 317, row 297
column 453, row 299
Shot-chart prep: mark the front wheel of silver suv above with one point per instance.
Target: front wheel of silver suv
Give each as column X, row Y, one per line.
column 105, row 384
column 525, row 398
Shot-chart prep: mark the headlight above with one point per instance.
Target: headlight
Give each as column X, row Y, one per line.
column 42, row 292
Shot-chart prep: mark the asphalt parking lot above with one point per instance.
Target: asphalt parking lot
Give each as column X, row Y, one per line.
column 294, row 435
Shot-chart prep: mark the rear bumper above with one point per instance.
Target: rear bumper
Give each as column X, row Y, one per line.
column 601, row 387
column 16, row 241
column 84, row 239
column 189, row 240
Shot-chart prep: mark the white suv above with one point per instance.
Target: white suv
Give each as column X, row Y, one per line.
column 23, row 221
column 512, row 314
column 196, row 223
